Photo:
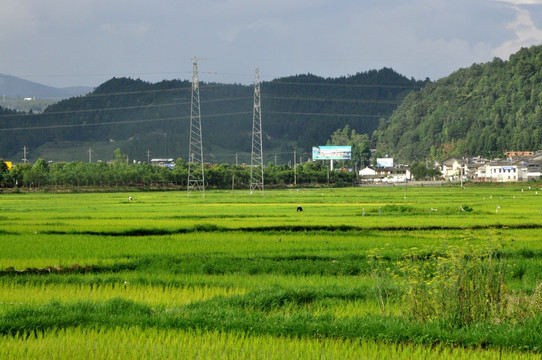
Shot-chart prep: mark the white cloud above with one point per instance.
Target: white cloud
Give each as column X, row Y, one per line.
column 525, row 31
column 521, row 2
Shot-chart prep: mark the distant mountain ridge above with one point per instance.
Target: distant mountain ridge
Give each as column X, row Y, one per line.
column 144, row 118
column 12, row 86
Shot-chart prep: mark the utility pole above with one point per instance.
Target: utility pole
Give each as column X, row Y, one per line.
column 24, row 154
column 295, row 169
column 196, row 175
column 148, row 156
column 275, row 159
column 90, row 155
column 233, row 174
column 256, row 158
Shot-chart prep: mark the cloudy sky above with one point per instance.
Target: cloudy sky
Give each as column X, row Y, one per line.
column 86, row 42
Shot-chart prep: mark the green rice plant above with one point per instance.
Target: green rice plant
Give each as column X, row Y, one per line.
column 253, row 267
column 171, row 212
column 346, row 308
column 224, row 315
column 152, row 343
column 166, row 296
column 165, row 280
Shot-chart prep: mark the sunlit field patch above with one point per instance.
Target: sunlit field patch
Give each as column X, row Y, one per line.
column 137, row 343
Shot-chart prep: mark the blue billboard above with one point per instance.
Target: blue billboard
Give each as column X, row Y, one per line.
column 332, row 153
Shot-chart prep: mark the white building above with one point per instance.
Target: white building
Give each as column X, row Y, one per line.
column 504, row 171
column 367, row 171
column 385, row 174
column 453, row 169
column 533, row 170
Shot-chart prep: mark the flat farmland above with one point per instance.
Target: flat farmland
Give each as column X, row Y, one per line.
column 235, row 275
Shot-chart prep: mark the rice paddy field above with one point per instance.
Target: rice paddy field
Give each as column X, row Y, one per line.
column 238, row 276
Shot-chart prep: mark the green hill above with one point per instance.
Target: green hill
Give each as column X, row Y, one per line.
column 298, row 112
column 485, row 110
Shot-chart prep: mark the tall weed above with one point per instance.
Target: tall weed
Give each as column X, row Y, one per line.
column 458, row 285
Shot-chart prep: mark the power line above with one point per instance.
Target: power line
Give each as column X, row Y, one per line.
column 120, row 108
column 323, row 114
column 148, row 106
column 188, row 117
column 174, row 89
column 120, row 122
column 215, row 85
column 138, row 75
column 102, row 74
column 398, row 86
column 360, row 101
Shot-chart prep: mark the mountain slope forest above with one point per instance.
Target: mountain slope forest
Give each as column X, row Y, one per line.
column 485, row 109
column 152, row 119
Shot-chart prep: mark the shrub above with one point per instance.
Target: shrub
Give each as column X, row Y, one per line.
column 459, row 285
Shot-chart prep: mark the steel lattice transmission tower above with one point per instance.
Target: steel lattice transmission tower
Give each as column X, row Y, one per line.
column 196, row 175
column 256, row 158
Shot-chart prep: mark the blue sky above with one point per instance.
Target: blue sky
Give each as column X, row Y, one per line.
column 86, row 42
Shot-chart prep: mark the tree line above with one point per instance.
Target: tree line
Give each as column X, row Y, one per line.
column 120, row 173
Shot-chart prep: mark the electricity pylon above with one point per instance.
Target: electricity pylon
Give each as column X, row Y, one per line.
column 256, row 158
column 196, row 175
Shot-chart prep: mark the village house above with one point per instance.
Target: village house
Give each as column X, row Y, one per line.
column 503, row 171
column 533, row 170
column 385, row 175
column 453, row 169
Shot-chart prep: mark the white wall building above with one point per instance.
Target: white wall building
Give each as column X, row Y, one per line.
column 503, row 171
column 385, row 175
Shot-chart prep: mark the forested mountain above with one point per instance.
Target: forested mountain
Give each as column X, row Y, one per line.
column 143, row 118
column 485, row 110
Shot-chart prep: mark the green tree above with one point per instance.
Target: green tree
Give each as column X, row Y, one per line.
column 38, row 174
column 120, row 158
column 5, row 177
column 361, row 152
column 422, row 172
